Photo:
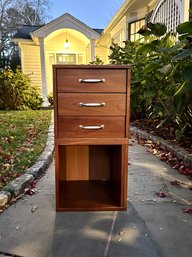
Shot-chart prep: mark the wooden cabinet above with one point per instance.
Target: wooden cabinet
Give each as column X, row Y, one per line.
column 91, row 111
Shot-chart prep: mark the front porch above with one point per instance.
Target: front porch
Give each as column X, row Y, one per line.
column 64, row 40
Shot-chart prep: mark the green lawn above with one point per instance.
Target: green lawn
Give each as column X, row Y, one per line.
column 23, row 136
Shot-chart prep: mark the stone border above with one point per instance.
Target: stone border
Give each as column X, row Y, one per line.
column 179, row 152
column 17, row 186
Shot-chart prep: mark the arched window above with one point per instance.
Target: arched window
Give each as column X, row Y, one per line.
column 169, row 12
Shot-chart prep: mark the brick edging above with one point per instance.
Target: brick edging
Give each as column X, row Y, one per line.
column 178, row 151
column 17, row 186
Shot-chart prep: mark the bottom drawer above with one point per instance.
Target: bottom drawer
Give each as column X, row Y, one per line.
column 91, row 127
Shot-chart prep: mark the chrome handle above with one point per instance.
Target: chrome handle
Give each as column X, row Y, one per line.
column 92, row 104
column 91, row 80
column 91, row 127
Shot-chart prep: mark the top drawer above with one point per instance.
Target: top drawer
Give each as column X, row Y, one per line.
column 91, row 80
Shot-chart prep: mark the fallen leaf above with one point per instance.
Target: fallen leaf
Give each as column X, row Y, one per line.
column 33, row 209
column 6, row 157
column 121, row 232
column 155, row 152
column 188, row 210
column 14, row 200
column 175, row 182
column 33, row 184
column 161, row 194
column 29, row 191
column 176, row 166
column 1, row 150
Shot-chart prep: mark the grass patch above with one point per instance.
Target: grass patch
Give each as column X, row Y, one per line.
column 23, row 135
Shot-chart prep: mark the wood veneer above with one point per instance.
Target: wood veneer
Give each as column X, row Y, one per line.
column 91, row 164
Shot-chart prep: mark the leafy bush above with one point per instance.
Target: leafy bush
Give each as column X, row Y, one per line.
column 161, row 75
column 50, row 98
column 16, row 91
column 97, row 61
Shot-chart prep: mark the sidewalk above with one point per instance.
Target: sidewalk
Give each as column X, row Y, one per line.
column 151, row 227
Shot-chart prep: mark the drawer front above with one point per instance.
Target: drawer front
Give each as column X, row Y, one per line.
column 91, row 80
column 91, row 104
column 91, row 127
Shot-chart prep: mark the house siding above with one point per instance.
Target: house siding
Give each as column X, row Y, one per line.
column 31, row 64
column 102, row 53
column 120, row 27
column 55, row 46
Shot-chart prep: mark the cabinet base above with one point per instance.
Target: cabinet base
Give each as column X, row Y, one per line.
column 92, row 195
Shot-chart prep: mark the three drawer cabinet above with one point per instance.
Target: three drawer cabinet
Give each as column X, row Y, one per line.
column 91, row 112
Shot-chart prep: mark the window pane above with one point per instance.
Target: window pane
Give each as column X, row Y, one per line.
column 133, row 28
column 66, row 58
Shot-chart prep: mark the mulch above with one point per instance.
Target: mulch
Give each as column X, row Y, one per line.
column 166, row 132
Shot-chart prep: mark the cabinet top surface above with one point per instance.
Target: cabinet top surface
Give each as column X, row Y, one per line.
column 89, row 66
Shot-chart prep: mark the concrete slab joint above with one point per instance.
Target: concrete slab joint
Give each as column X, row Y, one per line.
column 17, row 186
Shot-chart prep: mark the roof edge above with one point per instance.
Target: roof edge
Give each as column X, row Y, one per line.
column 49, row 24
column 118, row 15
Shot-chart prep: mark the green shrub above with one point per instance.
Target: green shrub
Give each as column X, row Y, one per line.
column 16, row 91
column 50, row 98
column 161, row 75
column 97, row 61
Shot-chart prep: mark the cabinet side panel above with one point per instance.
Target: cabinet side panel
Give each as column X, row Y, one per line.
column 62, row 163
column 55, row 101
column 116, row 171
column 57, row 175
column 127, row 112
column 124, row 175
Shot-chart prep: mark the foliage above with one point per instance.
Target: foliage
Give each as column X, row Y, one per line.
column 161, row 75
column 14, row 14
column 50, row 98
column 23, row 136
column 16, row 91
column 97, row 61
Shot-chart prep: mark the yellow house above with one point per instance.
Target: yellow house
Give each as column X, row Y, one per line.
column 66, row 40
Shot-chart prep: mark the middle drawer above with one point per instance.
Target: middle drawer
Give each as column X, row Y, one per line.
column 91, row 104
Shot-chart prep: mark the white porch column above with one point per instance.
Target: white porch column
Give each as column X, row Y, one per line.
column 43, row 72
column 186, row 8
column 92, row 51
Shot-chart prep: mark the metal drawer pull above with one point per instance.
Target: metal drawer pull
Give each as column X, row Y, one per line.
column 91, row 80
column 91, row 127
column 92, row 104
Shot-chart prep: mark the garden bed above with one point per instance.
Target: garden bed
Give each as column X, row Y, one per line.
column 166, row 132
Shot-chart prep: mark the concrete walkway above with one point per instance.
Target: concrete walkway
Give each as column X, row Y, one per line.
column 151, row 227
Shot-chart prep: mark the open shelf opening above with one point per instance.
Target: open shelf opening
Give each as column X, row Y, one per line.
column 90, row 177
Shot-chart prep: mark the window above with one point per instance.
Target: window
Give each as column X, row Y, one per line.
column 169, row 12
column 119, row 38
column 66, row 58
column 133, row 28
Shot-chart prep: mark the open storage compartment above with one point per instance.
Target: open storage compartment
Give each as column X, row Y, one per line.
column 91, row 177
